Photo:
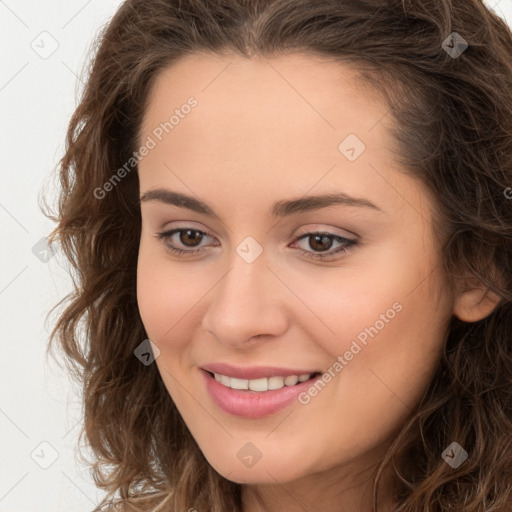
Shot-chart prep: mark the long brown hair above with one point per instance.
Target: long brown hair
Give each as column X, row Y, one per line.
column 453, row 132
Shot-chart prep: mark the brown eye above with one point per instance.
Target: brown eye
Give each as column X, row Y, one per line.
column 320, row 242
column 188, row 237
column 178, row 240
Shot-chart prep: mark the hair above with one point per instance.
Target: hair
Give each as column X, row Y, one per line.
column 453, row 132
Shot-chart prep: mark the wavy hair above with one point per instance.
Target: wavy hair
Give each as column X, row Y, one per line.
column 453, row 132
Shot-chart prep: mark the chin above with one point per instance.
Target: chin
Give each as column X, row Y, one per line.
column 262, row 472
column 251, row 476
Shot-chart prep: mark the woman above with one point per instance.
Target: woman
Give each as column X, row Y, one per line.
column 290, row 223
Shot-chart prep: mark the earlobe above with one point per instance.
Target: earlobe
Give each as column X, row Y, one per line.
column 475, row 304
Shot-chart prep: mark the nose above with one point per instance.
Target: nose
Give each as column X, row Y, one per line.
column 248, row 302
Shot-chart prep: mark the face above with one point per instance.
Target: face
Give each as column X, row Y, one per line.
column 331, row 313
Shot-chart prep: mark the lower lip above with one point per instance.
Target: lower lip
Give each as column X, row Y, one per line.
column 253, row 404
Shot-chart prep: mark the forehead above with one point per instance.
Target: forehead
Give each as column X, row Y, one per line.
column 287, row 123
column 283, row 95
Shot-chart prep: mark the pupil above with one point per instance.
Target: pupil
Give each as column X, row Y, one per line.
column 185, row 234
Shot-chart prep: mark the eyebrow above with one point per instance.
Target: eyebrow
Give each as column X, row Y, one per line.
column 279, row 208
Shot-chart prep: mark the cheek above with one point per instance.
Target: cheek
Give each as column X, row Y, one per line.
column 396, row 297
column 389, row 338
column 164, row 295
column 387, row 324
column 346, row 306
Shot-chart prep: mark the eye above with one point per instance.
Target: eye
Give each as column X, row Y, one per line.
column 188, row 236
column 320, row 242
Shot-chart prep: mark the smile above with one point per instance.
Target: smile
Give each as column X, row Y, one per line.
column 254, row 392
column 263, row 384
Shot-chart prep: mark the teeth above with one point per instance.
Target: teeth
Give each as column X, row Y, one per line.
column 275, row 383
column 264, row 384
column 239, row 383
column 223, row 379
column 258, row 384
column 291, row 380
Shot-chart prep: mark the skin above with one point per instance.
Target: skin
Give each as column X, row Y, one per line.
column 264, row 131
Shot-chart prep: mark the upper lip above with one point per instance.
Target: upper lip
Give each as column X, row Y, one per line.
column 253, row 372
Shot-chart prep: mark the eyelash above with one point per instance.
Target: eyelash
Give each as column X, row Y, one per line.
column 349, row 243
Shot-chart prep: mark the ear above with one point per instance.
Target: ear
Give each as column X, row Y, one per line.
column 475, row 303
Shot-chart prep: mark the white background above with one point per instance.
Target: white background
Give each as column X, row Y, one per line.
column 38, row 94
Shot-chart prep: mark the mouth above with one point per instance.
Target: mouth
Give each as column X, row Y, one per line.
column 259, row 396
column 262, row 384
